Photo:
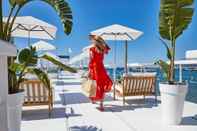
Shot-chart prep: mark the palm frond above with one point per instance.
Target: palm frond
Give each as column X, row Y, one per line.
column 58, row 63
column 16, row 67
column 18, row 2
column 64, row 11
column 165, row 67
column 175, row 16
column 42, row 76
column 28, row 56
column 12, row 76
column 168, row 49
column 1, row 19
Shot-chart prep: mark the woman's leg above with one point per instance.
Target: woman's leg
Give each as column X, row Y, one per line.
column 101, row 106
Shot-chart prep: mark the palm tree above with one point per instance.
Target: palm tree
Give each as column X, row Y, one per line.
column 26, row 56
column 174, row 16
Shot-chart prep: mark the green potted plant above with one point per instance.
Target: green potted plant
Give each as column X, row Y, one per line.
column 174, row 18
column 25, row 65
column 26, row 57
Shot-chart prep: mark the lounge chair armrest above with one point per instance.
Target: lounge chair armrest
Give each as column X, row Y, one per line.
column 52, row 90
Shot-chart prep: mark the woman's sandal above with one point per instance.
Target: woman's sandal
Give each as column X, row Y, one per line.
column 100, row 108
column 93, row 102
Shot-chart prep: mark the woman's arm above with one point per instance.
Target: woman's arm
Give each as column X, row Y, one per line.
column 106, row 50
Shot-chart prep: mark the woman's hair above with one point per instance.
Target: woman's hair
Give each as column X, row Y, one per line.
column 100, row 44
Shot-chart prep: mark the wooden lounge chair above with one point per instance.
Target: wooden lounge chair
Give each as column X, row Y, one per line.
column 136, row 86
column 37, row 94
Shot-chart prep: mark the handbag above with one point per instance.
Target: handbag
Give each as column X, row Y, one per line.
column 89, row 87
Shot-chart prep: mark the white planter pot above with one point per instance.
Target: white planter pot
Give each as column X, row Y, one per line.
column 172, row 102
column 15, row 102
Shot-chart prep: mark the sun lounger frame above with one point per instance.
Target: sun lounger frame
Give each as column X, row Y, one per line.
column 36, row 93
column 138, row 86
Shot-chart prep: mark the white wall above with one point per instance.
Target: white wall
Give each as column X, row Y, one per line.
column 191, row 54
column 3, row 94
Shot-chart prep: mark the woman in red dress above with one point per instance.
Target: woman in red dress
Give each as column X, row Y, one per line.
column 97, row 70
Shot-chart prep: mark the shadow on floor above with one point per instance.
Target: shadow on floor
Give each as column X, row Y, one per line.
column 108, row 97
column 73, row 98
column 131, row 104
column 77, row 98
column 116, row 108
column 40, row 114
column 147, row 101
column 84, row 128
column 190, row 120
column 63, row 83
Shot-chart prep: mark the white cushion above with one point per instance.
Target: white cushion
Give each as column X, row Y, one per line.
column 141, row 74
column 31, row 77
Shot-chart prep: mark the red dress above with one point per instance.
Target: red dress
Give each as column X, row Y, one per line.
column 97, row 72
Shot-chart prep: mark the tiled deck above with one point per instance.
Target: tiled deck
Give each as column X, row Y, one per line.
column 137, row 115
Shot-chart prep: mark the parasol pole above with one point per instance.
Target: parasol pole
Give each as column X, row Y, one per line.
column 114, row 70
column 126, row 57
column 29, row 37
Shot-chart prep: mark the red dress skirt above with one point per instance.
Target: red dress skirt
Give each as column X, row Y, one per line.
column 97, row 72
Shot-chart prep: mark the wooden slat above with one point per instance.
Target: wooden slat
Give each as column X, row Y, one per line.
column 135, row 86
column 141, row 87
column 138, row 85
column 145, row 85
column 127, row 87
column 39, row 93
column 36, row 94
column 154, row 85
column 28, row 92
column 44, row 92
column 33, row 91
column 150, row 86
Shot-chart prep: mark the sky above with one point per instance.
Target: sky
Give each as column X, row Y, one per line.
column 89, row 15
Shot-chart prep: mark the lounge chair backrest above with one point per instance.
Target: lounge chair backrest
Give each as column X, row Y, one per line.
column 138, row 85
column 36, row 93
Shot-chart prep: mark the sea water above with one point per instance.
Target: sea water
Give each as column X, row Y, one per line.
column 188, row 75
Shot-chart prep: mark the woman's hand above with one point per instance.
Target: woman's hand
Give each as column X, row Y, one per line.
column 89, row 75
